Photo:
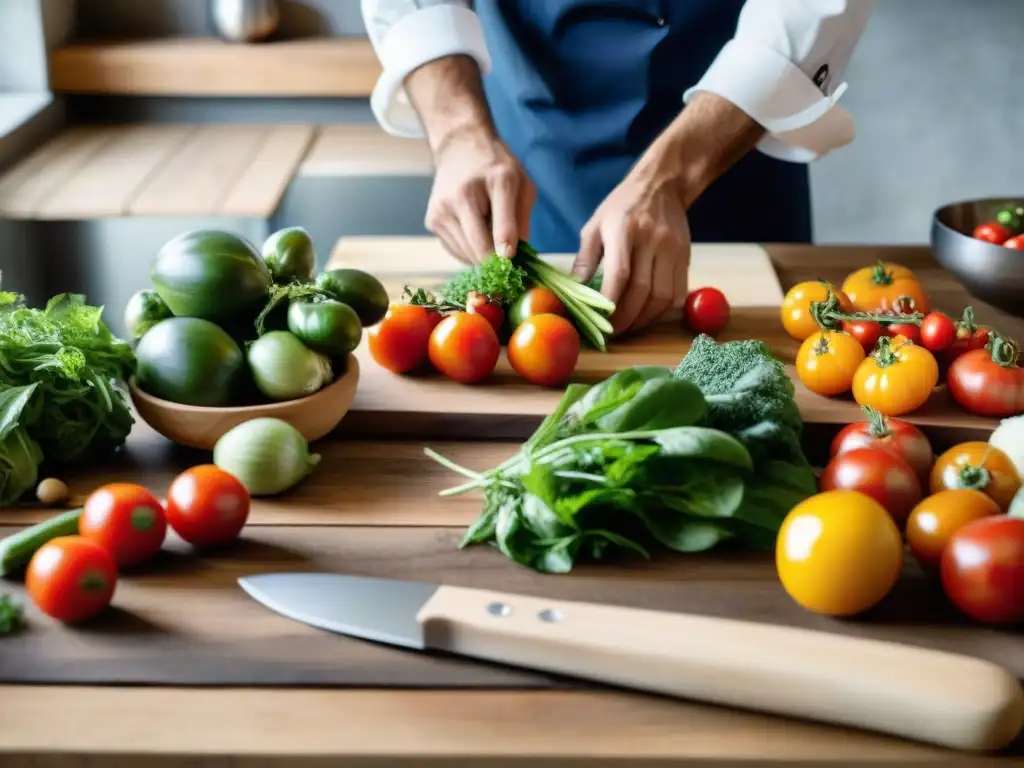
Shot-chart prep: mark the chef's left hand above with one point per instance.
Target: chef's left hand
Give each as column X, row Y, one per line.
column 642, row 235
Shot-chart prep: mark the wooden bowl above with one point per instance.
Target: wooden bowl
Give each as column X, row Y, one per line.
column 199, row 427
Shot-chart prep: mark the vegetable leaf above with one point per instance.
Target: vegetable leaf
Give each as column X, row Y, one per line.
column 20, row 455
column 12, row 616
column 496, row 276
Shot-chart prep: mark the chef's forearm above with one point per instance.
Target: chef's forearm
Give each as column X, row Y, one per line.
column 449, row 99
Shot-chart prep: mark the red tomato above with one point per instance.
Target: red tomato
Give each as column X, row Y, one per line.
column 989, row 382
column 992, row 232
column 982, row 569
column 126, row 520
column 399, row 342
column 464, row 347
column 706, row 311
column 207, row 506
column 909, row 331
column 71, row 578
column 544, row 350
column 938, row 331
column 1017, row 243
column 880, row 474
column 536, row 301
column 885, row 433
column 867, row 332
column 487, row 308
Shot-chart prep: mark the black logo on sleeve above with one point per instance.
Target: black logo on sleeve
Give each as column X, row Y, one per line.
column 821, row 77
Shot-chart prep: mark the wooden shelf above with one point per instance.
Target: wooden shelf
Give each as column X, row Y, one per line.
column 365, row 150
column 334, row 67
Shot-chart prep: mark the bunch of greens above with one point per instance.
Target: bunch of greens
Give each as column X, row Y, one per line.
column 20, row 455
column 649, row 455
column 77, row 409
column 12, row 616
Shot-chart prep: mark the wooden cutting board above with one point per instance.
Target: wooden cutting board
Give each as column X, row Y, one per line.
column 509, row 407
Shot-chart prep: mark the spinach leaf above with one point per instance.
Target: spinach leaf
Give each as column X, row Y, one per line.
column 20, row 455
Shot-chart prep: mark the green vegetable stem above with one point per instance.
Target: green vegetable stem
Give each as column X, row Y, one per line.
column 17, row 549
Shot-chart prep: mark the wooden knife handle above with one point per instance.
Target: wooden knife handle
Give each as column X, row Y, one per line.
column 942, row 698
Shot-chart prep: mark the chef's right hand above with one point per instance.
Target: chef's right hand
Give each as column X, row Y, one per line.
column 481, row 199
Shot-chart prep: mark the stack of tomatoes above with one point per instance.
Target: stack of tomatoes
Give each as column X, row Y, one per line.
column 841, row 551
column 122, row 526
column 464, row 344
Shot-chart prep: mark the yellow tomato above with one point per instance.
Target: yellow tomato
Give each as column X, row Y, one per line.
column 980, row 466
column 796, row 307
column 838, row 553
column 896, row 378
column 937, row 517
column 827, row 361
column 885, row 286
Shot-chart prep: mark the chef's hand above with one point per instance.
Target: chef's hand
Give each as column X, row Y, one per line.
column 642, row 235
column 481, row 199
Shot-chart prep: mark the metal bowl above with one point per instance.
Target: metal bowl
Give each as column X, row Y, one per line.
column 991, row 273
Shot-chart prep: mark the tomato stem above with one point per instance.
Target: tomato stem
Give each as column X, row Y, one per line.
column 884, row 354
column 828, row 317
column 880, row 275
column 1004, row 352
column 879, row 424
column 973, row 478
column 821, row 347
column 421, row 297
column 966, row 322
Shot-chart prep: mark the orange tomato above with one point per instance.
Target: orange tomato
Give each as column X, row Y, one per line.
column 937, row 517
column 838, row 553
column 464, row 347
column 126, row 520
column 796, row 307
column 979, row 466
column 71, row 578
column 884, row 287
column 536, row 301
column 544, row 350
column 896, row 378
column 399, row 342
column 827, row 361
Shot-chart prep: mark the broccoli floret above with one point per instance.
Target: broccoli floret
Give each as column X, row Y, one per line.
column 497, row 277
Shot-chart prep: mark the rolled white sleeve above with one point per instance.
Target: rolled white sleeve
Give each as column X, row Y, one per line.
column 784, row 67
column 406, row 34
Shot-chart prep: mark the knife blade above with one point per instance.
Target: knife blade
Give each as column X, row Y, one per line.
column 951, row 700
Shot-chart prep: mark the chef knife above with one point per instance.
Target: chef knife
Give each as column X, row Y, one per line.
column 947, row 699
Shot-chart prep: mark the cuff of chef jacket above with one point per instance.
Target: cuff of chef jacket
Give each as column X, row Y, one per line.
column 802, row 123
column 426, row 35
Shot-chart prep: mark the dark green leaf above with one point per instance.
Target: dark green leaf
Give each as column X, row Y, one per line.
column 704, row 443
column 617, row 540
column 611, row 394
column 683, row 533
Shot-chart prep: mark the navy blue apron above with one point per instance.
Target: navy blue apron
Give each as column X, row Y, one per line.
column 580, row 88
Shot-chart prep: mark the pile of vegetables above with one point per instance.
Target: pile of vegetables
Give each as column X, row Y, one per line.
column 225, row 324
column 1006, row 229
column 686, row 458
column 61, row 398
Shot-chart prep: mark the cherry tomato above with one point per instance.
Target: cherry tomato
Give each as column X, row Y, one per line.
column 826, row 362
column 867, row 332
column 71, row 578
column 489, row 309
column 125, row 519
column 706, row 311
column 895, row 435
column 838, row 553
column 908, row 331
column 980, row 466
column 883, row 287
column 897, row 378
column 982, row 570
column 969, row 336
column 399, row 342
column 536, row 301
column 989, row 382
column 796, row 307
column 464, row 347
column 882, row 475
column 207, row 506
column 939, row 516
column 1017, row 243
column 992, row 232
column 938, row 331
column 544, row 349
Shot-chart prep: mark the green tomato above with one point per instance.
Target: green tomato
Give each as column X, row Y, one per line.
column 328, row 327
column 283, row 368
column 1012, row 218
column 144, row 310
column 290, row 256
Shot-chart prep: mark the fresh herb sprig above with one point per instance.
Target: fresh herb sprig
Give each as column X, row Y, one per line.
column 12, row 616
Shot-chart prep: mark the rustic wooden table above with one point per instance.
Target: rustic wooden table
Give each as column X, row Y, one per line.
column 372, row 509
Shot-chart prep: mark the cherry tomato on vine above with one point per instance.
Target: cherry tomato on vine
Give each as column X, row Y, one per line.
column 1017, row 243
column 982, row 570
column 400, row 341
column 908, row 331
column 126, row 520
column 827, row 360
column 979, row 466
column 71, row 578
column 885, row 286
column 796, row 307
column 989, row 382
column 207, row 506
column 934, row 521
column 938, row 332
column 544, row 350
column 464, row 347
column 897, row 378
column 867, row 332
column 894, row 435
column 880, row 474
column 536, row 301
column 487, row 308
column 992, row 232
column 706, row 311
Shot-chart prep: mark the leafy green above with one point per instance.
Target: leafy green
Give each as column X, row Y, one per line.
column 12, row 616
column 78, row 409
column 496, row 276
column 20, row 455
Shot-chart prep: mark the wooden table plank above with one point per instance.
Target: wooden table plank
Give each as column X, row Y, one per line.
column 260, row 187
column 366, row 150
